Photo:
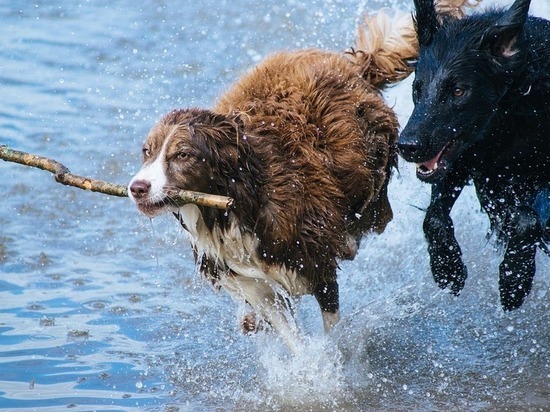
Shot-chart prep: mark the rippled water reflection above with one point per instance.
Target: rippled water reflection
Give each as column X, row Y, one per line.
column 100, row 308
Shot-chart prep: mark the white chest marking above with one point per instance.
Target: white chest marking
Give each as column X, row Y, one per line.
column 237, row 251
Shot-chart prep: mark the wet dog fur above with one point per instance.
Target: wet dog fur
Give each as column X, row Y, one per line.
column 305, row 145
column 482, row 114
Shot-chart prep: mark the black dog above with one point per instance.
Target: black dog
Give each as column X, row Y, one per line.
column 482, row 113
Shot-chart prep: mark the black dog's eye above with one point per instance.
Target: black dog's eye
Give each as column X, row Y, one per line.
column 182, row 155
column 458, row 91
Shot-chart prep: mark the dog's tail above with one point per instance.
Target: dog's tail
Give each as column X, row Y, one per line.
column 454, row 8
column 386, row 46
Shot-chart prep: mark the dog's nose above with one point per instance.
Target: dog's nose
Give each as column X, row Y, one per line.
column 408, row 148
column 140, row 188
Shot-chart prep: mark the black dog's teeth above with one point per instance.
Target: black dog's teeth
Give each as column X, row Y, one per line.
column 423, row 170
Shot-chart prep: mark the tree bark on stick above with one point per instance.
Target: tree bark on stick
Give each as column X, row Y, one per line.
column 64, row 176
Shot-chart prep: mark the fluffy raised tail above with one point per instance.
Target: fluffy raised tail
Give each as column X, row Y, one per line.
column 387, row 45
column 454, row 8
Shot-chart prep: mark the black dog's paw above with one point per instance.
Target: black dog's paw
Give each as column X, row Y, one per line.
column 516, row 278
column 517, row 269
column 448, row 270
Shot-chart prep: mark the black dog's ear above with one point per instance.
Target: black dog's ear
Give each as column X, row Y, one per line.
column 425, row 21
column 502, row 38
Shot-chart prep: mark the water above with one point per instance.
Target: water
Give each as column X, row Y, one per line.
column 101, row 309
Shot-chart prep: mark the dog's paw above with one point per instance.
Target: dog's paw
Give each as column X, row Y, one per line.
column 250, row 324
column 448, row 271
column 516, row 278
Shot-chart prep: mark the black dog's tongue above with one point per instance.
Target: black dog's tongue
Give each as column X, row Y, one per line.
column 429, row 167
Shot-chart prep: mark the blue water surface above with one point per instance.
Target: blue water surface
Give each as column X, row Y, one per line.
column 101, row 308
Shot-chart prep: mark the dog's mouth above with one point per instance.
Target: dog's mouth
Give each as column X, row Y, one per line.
column 437, row 166
column 153, row 208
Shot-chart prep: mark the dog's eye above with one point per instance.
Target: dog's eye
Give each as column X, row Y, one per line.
column 182, row 155
column 146, row 152
column 458, row 91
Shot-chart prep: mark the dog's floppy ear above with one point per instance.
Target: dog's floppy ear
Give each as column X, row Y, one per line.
column 502, row 38
column 425, row 21
column 220, row 138
column 216, row 122
column 208, row 118
column 217, row 127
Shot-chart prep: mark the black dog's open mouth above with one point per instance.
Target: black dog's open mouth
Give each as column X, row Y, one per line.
column 437, row 166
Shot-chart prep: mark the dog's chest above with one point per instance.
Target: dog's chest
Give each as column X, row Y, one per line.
column 235, row 253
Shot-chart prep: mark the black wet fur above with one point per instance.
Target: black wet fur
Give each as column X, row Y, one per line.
column 482, row 110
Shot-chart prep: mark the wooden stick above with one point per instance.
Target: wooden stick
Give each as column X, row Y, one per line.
column 64, row 176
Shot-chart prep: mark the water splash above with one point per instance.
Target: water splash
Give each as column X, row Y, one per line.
column 313, row 376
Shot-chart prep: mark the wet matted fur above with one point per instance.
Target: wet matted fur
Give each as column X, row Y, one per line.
column 305, row 145
column 482, row 113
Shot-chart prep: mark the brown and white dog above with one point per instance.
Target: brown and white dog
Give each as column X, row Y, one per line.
column 305, row 145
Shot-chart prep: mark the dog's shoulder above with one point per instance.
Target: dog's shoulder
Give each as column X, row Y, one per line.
column 283, row 75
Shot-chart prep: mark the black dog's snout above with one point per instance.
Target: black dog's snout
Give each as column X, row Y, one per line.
column 140, row 188
column 408, row 148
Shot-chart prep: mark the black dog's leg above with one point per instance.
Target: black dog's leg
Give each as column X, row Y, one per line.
column 326, row 294
column 517, row 268
column 445, row 254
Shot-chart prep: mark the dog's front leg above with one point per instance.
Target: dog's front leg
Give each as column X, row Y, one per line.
column 446, row 263
column 270, row 302
column 517, row 268
column 326, row 294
